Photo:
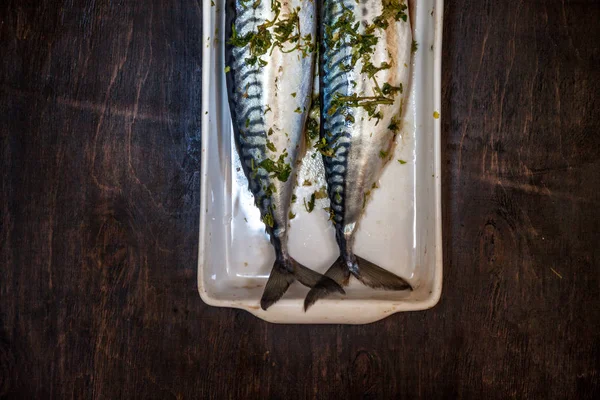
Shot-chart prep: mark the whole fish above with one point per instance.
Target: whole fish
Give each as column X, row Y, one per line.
column 269, row 58
column 364, row 68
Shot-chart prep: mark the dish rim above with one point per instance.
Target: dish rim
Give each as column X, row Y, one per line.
column 361, row 310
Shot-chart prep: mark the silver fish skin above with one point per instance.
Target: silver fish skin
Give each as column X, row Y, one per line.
column 358, row 142
column 269, row 105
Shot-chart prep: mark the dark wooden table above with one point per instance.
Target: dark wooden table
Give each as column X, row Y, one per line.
column 99, row 208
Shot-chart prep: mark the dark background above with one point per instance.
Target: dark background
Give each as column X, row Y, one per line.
column 99, row 208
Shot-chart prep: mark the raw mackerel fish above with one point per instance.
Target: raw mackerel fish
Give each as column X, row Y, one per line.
column 364, row 73
column 269, row 58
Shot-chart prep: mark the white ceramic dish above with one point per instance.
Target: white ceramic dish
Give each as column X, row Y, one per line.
column 401, row 227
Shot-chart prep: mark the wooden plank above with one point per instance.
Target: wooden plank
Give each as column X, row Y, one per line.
column 99, row 207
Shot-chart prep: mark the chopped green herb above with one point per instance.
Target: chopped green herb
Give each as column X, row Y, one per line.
column 321, row 193
column 388, row 89
column 369, row 103
column 394, row 125
column 270, row 189
column 312, row 129
column 325, row 148
column 294, row 198
column 306, row 183
column 227, row 69
column 268, row 219
column 291, row 215
column 271, row 146
column 294, row 94
column 298, row 110
column 312, row 123
column 259, row 41
column 331, row 214
column 280, row 169
column 287, row 30
column 247, row 122
column 395, row 9
column 338, row 197
column 311, row 203
column 383, row 154
column 414, row 46
column 345, row 31
column 402, row 161
column 270, row 132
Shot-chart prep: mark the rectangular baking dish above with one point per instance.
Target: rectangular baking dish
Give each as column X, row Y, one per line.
column 401, row 226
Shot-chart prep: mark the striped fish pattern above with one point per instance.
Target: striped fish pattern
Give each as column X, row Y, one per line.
column 358, row 143
column 269, row 101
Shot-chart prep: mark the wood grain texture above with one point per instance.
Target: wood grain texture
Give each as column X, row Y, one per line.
column 99, row 208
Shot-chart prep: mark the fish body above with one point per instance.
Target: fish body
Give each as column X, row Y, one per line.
column 269, row 58
column 365, row 69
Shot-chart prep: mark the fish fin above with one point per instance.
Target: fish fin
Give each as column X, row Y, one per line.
column 376, row 277
column 333, row 280
column 282, row 276
column 279, row 281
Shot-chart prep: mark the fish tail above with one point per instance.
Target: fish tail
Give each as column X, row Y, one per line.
column 365, row 271
column 376, row 277
column 285, row 272
column 337, row 273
